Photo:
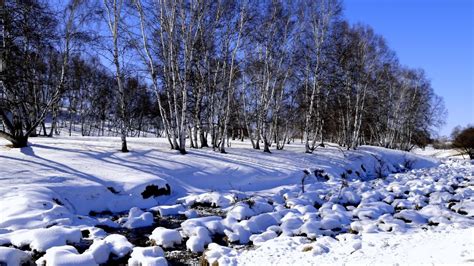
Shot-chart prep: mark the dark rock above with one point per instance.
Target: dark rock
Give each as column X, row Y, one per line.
column 155, row 191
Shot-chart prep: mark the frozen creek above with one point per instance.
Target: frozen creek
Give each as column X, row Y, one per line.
column 418, row 216
column 358, row 215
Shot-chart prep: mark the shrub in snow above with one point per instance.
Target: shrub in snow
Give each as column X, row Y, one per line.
column 13, row 256
column 138, row 218
column 66, row 256
column 119, row 245
column 147, row 256
column 464, row 141
column 167, row 238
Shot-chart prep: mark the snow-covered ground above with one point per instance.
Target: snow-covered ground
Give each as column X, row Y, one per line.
column 79, row 201
column 440, row 153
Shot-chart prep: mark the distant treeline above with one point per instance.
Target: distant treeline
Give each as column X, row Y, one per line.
column 201, row 72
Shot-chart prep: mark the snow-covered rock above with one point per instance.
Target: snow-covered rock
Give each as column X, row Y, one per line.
column 147, row 256
column 263, row 237
column 372, row 210
column 118, row 244
column 410, row 216
column 169, row 210
column 167, row 238
column 191, row 225
column 66, row 256
column 138, row 218
column 199, row 240
column 215, row 199
column 42, row 239
column 100, row 250
column 238, row 233
column 13, row 256
column 221, row 255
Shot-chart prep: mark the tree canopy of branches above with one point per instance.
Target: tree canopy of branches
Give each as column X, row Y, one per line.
column 201, row 73
column 464, row 140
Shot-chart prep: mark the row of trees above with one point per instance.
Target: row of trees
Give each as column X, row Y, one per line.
column 202, row 72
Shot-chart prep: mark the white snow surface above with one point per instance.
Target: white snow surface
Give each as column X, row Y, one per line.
column 356, row 210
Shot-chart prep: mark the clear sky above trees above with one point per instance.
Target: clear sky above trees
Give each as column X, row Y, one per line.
column 436, row 35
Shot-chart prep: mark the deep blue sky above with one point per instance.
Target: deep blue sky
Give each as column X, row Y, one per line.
column 436, row 35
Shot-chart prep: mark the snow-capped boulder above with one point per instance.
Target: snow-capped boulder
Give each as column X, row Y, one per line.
column 169, row 210
column 372, row 210
column 167, row 238
column 199, row 240
column 410, row 216
column 66, row 256
column 13, row 256
column 41, row 239
column 138, row 218
column 258, row 239
column 100, row 250
column 119, row 245
column 149, row 256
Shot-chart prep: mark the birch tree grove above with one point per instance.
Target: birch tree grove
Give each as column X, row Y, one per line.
column 113, row 10
column 206, row 74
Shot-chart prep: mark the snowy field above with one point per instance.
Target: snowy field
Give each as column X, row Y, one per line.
column 78, row 201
